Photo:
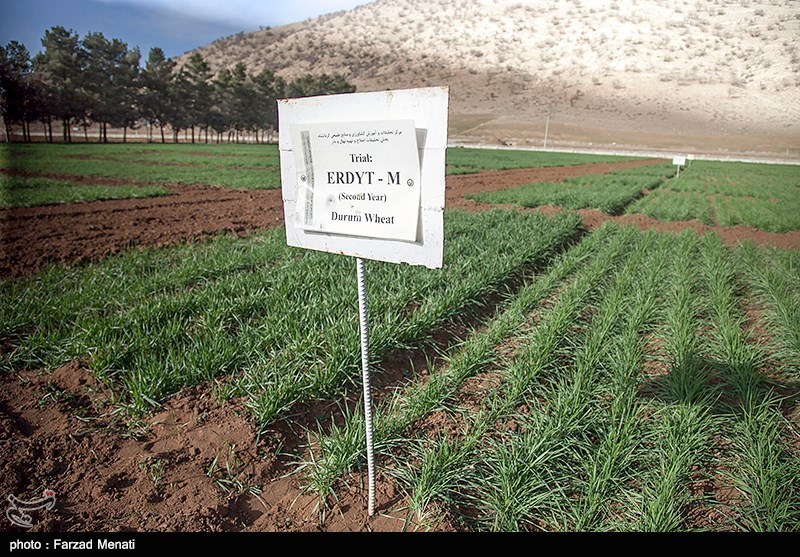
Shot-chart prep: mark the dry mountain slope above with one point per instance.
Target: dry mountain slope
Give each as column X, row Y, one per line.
column 713, row 75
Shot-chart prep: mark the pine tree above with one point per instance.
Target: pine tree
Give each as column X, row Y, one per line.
column 59, row 69
column 157, row 81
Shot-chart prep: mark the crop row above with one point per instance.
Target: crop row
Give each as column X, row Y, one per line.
column 766, row 197
column 277, row 324
column 633, row 378
column 16, row 191
column 610, row 193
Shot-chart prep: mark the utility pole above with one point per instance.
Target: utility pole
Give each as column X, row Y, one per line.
column 546, row 129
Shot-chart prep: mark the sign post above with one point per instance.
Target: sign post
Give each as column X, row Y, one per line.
column 679, row 161
column 363, row 326
column 362, row 174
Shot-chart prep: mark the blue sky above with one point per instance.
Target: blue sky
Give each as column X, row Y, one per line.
column 174, row 25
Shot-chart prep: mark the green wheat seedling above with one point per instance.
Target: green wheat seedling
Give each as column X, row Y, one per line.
column 539, row 354
column 523, row 474
column 681, row 426
column 763, row 469
column 419, row 399
column 229, row 475
column 779, row 291
column 679, row 442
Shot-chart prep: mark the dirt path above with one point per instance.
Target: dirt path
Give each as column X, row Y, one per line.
column 89, row 231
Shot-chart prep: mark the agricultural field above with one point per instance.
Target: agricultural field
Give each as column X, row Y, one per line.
column 559, row 373
column 244, row 167
column 466, row 160
column 610, row 193
column 760, row 196
column 226, row 166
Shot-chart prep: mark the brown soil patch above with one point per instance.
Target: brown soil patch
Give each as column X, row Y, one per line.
column 163, row 480
column 32, row 237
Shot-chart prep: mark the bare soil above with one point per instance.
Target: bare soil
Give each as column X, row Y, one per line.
column 195, row 464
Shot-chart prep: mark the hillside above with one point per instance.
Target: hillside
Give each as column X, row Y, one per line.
column 712, row 75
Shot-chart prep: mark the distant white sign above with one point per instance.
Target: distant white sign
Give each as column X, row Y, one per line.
column 362, row 174
column 358, row 178
column 679, row 160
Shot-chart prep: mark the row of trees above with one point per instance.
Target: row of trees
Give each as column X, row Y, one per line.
column 94, row 80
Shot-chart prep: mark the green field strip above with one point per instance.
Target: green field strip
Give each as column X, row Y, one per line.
column 681, row 425
column 323, row 362
column 761, row 196
column 30, row 192
column 466, row 160
column 539, row 353
column 666, row 205
column 763, row 467
column 50, row 309
column 610, row 193
column 778, row 216
column 341, row 449
column 128, row 162
column 280, row 332
column 777, row 287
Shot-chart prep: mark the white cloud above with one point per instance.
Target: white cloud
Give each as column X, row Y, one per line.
column 248, row 13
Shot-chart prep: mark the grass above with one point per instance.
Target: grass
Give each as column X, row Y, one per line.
column 466, row 160
column 610, row 193
column 231, row 166
column 277, row 325
column 29, row 192
column 627, row 378
column 761, row 196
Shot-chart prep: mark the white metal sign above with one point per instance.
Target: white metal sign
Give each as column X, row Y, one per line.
column 679, row 160
column 362, row 174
